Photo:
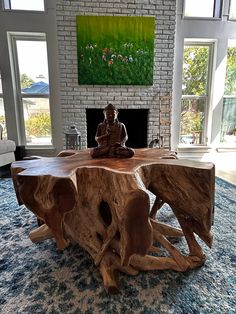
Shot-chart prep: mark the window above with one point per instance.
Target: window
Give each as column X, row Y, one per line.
column 228, row 124
column 31, row 72
column 2, row 111
column 203, row 8
column 28, row 5
column 195, row 91
column 232, row 10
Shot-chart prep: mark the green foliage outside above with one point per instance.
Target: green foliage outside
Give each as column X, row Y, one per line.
column 25, row 81
column 38, row 124
column 192, row 117
column 115, row 50
column 195, row 70
column 3, row 123
column 195, row 76
column 191, row 122
column 2, row 120
column 230, row 82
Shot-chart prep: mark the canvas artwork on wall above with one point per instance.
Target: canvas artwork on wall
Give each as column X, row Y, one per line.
column 115, row 50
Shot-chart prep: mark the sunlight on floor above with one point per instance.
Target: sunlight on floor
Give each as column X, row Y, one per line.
column 225, row 164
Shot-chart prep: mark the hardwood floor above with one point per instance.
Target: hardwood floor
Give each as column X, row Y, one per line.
column 229, row 176
column 225, row 164
column 227, row 170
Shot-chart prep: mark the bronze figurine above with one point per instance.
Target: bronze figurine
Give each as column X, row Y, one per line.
column 111, row 136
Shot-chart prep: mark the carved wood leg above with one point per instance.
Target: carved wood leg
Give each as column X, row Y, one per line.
column 111, row 231
column 136, row 230
column 55, row 223
column 41, row 233
column 147, row 262
column 166, row 230
column 178, row 257
column 196, row 256
column 109, row 267
column 156, row 206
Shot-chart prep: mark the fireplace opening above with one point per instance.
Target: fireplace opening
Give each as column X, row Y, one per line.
column 135, row 121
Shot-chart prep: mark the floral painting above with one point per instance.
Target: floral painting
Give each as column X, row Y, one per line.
column 115, row 50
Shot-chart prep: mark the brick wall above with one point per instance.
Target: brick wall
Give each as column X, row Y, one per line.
column 76, row 98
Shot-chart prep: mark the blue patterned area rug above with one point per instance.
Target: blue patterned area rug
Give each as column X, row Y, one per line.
column 37, row 278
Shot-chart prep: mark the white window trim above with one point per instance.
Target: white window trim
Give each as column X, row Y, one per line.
column 7, row 7
column 218, row 5
column 12, row 38
column 207, row 125
column 230, row 18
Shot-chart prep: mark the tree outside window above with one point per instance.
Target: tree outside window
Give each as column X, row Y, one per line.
column 230, row 81
column 228, row 124
column 194, row 94
column 33, row 88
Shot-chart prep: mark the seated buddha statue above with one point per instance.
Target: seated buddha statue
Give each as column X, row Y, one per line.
column 111, row 136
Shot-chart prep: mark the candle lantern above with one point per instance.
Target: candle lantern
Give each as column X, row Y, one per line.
column 73, row 138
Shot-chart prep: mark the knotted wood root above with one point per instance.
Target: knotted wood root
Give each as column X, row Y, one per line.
column 109, row 207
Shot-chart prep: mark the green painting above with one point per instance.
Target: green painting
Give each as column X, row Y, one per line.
column 115, row 50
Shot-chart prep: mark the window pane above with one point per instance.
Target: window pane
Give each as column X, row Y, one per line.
column 33, row 70
column 230, row 81
column 0, row 84
column 192, row 120
column 228, row 125
column 195, row 70
column 37, row 121
column 2, row 112
column 232, row 13
column 33, row 66
column 194, row 103
column 2, row 118
column 33, row 5
column 199, row 8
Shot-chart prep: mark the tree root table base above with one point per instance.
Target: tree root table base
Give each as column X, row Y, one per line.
column 104, row 205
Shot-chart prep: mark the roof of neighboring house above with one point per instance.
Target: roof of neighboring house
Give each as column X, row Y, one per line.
column 37, row 88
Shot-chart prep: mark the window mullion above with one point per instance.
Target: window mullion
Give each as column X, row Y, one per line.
column 7, row 4
column 16, row 84
column 217, row 8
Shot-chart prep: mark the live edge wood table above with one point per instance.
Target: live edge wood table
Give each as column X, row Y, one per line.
column 104, row 205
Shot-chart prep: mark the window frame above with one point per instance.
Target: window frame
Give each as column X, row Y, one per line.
column 230, row 18
column 1, row 97
column 225, row 97
column 7, row 7
column 12, row 41
column 211, row 44
column 217, row 12
column 231, row 44
column 1, row 91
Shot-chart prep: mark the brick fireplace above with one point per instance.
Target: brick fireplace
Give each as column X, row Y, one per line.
column 77, row 100
column 135, row 121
